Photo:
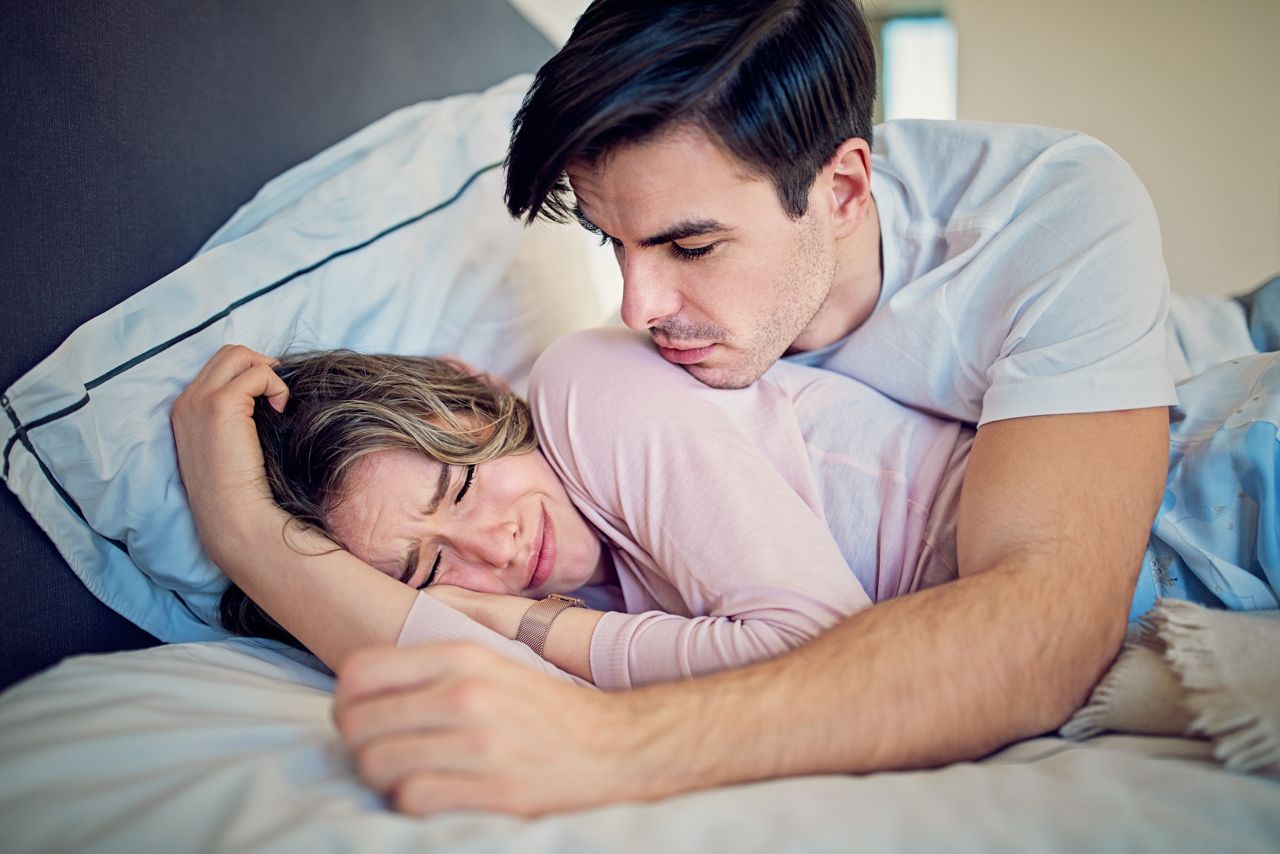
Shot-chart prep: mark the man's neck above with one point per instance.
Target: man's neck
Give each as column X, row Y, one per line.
column 858, row 278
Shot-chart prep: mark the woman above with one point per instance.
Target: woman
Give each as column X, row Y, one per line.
column 630, row 439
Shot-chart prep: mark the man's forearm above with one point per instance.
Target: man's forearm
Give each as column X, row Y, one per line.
column 947, row 674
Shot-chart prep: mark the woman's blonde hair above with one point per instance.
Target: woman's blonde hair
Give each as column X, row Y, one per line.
column 344, row 406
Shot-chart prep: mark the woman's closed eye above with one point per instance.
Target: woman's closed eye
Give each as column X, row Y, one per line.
column 466, row 486
column 431, row 576
column 466, row 483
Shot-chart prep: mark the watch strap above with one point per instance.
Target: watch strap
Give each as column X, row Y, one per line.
column 536, row 622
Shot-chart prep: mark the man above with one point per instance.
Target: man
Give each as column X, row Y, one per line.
column 1010, row 277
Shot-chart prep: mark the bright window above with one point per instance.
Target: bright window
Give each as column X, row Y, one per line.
column 918, row 61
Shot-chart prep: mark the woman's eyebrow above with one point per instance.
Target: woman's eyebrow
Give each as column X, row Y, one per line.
column 442, row 486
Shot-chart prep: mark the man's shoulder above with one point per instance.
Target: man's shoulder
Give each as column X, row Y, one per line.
column 610, row 373
column 1007, row 243
column 961, row 175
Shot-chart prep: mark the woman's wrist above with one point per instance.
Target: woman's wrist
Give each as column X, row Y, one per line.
column 234, row 537
column 496, row 611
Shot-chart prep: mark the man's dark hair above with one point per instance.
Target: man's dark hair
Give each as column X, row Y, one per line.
column 779, row 83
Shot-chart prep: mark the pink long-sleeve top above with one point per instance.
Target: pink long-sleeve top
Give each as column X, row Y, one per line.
column 741, row 523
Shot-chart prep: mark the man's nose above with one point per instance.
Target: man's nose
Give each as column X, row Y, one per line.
column 648, row 296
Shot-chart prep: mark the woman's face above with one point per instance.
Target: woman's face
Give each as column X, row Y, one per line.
column 504, row 526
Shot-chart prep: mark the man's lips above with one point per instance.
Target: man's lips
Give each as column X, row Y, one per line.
column 690, row 356
column 543, row 558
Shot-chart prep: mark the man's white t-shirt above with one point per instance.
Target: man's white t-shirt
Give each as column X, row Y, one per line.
column 1023, row 275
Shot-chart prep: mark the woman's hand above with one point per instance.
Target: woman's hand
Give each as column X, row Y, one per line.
column 219, row 456
column 497, row 611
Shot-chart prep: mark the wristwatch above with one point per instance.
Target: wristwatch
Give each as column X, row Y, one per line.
column 537, row 621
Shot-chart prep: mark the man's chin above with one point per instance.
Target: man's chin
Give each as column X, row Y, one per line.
column 722, row 376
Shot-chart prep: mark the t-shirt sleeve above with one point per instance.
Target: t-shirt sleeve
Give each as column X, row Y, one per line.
column 720, row 527
column 1078, row 280
column 431, row 620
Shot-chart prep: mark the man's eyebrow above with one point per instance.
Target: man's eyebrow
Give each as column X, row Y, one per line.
column 679, row 231
column 410, row 561
column 683, row 231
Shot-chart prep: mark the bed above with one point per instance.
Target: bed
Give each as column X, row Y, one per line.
column 152, row 147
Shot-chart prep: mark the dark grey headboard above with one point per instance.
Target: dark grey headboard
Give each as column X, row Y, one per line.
column 131, row 129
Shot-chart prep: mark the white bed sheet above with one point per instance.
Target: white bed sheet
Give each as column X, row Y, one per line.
column 229, row 746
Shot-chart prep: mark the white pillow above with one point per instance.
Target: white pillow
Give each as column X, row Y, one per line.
column 394, row 240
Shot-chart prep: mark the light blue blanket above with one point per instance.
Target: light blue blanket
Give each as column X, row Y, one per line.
column 1216, row 538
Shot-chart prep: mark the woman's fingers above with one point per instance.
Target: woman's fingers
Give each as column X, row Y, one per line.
column 259, row 380
column 215, row 437
column 230, row 363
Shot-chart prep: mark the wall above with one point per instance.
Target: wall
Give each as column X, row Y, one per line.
column 1187, row 91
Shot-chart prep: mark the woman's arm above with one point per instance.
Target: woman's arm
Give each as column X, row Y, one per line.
column 567, row 647
column 327, row 598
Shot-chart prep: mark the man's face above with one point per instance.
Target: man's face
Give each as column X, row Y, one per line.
column 723, row 280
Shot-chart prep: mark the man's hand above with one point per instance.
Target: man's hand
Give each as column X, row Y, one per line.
column 452, row 726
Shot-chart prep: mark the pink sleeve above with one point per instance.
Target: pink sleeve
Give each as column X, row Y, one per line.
column 711, row 500
column 431, row 620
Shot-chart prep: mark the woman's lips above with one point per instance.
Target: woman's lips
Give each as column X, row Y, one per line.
column 544, row 559
column 685, row 357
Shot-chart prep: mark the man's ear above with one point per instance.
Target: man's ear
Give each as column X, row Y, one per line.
column 847, row 180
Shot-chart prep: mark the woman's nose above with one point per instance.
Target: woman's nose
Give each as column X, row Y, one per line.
column 493, row 542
